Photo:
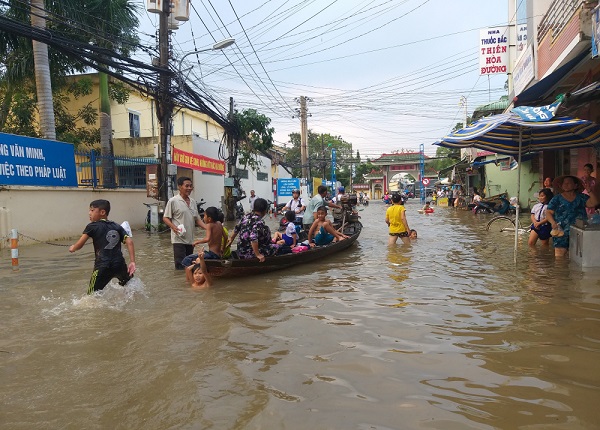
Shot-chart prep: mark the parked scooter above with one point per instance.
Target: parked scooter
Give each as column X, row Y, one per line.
column 200, row 208
column 148, row 224
column 239, row 211
column 489, row 207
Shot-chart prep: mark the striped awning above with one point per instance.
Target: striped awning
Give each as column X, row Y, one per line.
column 500, row 134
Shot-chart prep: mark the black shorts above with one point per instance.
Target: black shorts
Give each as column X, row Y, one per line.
column 180, row 251
column 102, row 276
column 403, row 234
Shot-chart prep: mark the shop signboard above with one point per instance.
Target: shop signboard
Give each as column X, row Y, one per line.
column 493, row 51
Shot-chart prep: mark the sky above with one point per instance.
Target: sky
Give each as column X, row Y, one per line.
column 384, row 75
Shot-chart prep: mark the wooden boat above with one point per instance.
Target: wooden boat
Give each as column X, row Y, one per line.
column 236, row 267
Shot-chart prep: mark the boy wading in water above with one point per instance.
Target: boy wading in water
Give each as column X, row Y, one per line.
column 107, row 237
column 395, row 218
column 197, row 274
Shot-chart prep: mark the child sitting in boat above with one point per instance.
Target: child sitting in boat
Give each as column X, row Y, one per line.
column 226, row 249
column 216, row 238
column 322, row 231
column 290, row 237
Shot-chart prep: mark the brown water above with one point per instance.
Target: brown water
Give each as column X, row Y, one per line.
column 446, row 334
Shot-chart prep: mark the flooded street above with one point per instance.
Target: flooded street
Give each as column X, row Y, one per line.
column 445, row 334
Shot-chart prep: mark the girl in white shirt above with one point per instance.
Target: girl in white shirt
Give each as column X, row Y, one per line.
column 540, row 227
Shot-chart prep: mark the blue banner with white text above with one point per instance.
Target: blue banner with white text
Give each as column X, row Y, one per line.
column 286, row 186
column 36, row 162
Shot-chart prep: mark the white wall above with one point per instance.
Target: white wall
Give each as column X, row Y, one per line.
column 207, row 186
column 263, row 189
column 210, row 187
column 55, row 213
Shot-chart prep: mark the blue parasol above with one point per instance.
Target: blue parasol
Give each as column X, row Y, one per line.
column 525, row 130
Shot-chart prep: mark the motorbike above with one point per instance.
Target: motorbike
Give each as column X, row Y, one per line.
column 503, row 207
column 200, row 208
column 148, row 222
column 239, row 211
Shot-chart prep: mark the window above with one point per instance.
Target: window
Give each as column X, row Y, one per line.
column 134, row 124
column 260, row 176
column 132, row 176
column 241, row 173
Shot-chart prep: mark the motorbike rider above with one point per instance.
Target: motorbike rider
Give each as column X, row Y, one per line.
column 296, row 204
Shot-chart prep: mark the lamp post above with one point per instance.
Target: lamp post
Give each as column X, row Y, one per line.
column 225, row 43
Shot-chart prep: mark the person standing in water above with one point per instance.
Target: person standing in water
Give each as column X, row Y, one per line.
column 395, row 218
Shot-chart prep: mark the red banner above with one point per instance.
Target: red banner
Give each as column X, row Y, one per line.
column 198, row 162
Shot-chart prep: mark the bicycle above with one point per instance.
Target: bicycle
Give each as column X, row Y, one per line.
column 502, row 223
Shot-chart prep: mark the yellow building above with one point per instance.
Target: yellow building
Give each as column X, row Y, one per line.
column 136, row 131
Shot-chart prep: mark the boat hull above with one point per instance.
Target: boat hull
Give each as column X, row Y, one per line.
column 237, row 267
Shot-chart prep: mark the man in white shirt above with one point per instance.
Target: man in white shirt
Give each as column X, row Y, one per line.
column 181, row 216
column 251, row 200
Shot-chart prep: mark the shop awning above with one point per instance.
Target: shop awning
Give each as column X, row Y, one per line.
column 580, row 98
column 539, row 92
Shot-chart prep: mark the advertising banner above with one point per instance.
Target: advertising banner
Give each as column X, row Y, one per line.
column 36, row 162
column 595, row 31
column 523, row 72
column 493, row 51
column 198, row 162
column 286, row 186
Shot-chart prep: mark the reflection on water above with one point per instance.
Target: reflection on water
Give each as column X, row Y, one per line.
column 445, row 333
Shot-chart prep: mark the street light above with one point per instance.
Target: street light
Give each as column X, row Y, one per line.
column 225, row 43
column 166, row 113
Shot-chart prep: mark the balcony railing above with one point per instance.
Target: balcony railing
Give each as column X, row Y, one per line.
column 558, row 16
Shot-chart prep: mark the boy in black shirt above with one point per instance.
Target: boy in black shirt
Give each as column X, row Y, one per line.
column 107, row 237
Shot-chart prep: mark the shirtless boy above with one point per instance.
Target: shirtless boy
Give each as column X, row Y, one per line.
column 214, row 234
column 322, row 231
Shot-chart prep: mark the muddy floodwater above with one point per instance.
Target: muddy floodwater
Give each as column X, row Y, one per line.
column 445, row 334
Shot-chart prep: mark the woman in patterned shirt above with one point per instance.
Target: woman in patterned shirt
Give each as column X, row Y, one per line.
column 254, row 239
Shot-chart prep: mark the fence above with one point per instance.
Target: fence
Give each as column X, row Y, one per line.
column 93, row 169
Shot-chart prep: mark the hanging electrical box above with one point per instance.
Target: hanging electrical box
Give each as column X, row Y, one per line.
column 173, row 23
column 181, row 10
column 154, row 6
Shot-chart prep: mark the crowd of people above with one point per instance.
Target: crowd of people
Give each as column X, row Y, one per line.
column 561, row 203
column 254, row 237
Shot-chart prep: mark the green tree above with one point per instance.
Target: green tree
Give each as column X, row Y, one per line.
column 319, row 156
column 111, row 24
column 254, row 136
column 114, row 24
column 445, row 157
column 42, row 73
column 250, row 135
column 362, row 169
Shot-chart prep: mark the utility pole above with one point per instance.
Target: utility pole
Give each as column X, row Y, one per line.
column 303, row 138
column 164, row 103
column 351, row 169
column 230, row 198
